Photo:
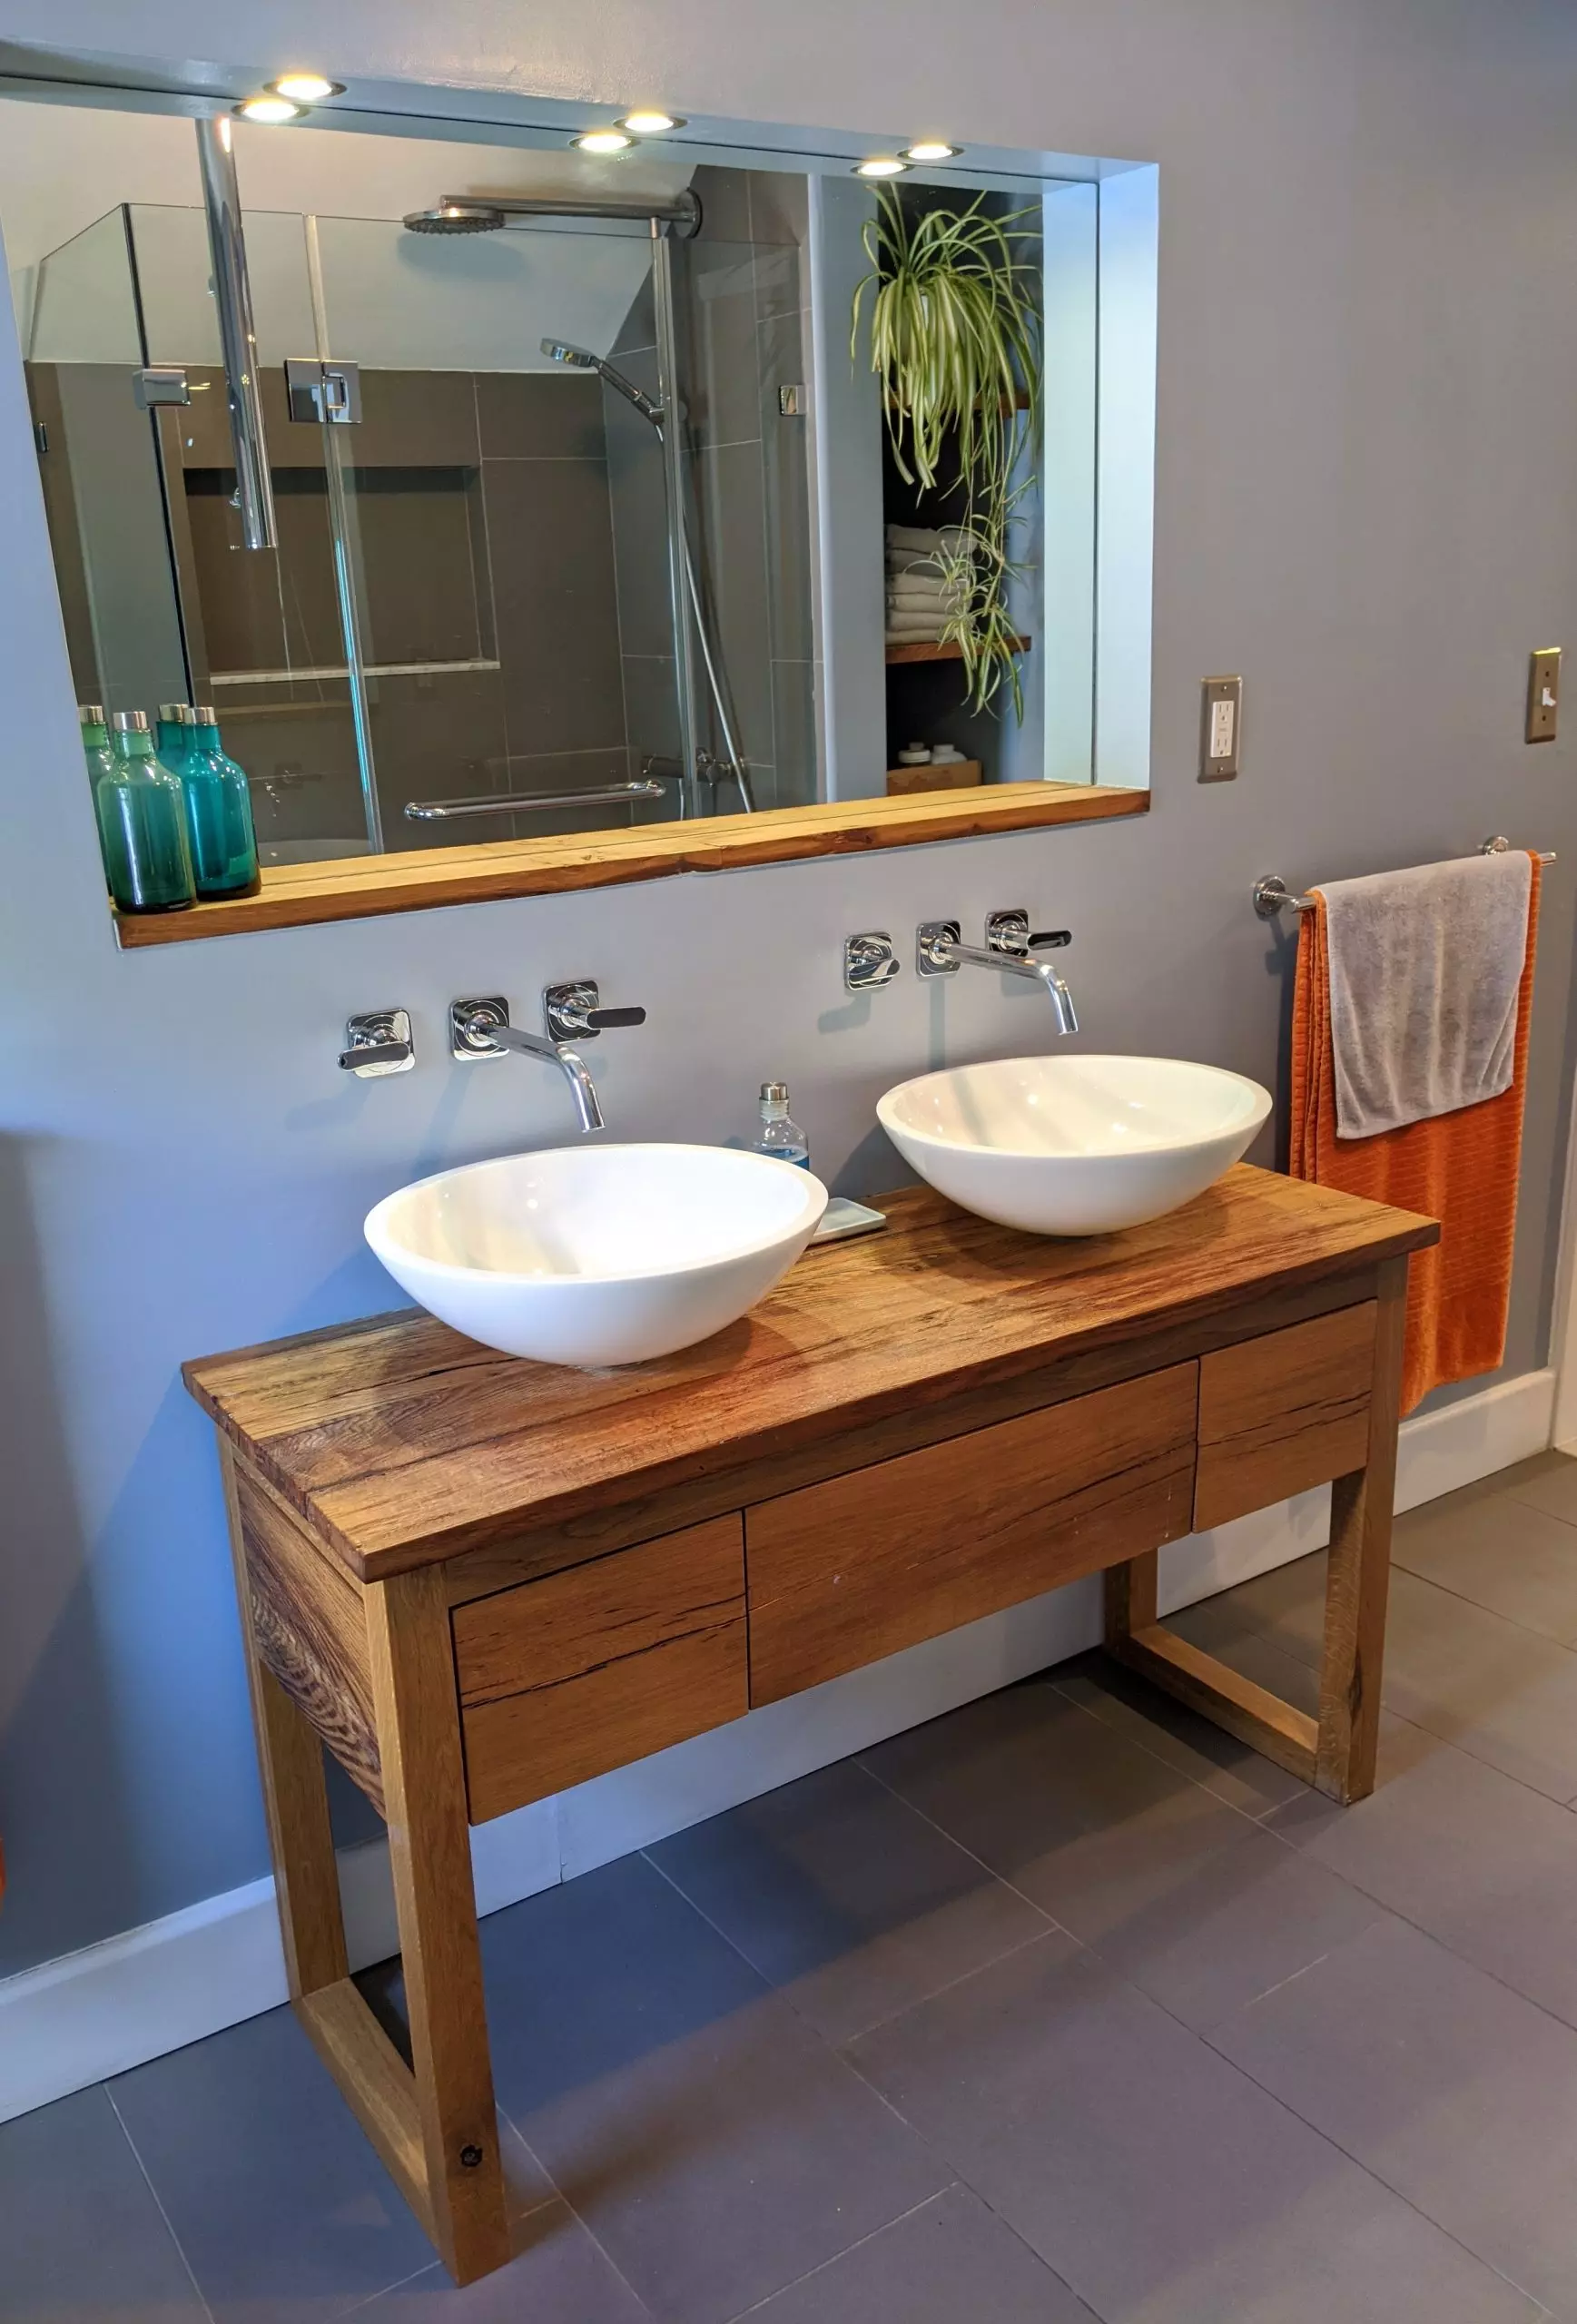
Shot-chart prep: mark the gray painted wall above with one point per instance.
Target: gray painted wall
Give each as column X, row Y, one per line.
column 1368, row 501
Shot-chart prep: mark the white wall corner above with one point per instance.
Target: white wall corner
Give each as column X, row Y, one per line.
column 117, row 2005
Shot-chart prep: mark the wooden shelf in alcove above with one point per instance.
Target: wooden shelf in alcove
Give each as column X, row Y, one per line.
column 933, row 649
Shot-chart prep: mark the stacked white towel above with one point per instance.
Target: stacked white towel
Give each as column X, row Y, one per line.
column 920, row 598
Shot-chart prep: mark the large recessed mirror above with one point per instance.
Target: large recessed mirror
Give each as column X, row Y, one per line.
column 591, row 496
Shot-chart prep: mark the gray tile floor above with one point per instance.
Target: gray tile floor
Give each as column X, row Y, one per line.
column 1062, row 2008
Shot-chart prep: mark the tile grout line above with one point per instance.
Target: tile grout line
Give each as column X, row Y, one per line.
column 859, row 2243
column 774, row 1993
column 158, row 2203
column 1461, row 1598
column 1369, row 2172
column 988, row 1870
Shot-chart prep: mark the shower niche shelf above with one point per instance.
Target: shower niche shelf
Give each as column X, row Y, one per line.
column 927, row 649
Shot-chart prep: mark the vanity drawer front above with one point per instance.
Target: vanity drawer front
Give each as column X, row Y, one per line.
column 562, row 1680
column 1282, row 1413
column 845, row 1573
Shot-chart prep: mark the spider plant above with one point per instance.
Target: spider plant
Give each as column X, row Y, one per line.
column 955, row 338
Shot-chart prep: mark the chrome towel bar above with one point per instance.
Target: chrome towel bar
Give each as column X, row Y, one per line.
column 1272, row 894
column 523, row 802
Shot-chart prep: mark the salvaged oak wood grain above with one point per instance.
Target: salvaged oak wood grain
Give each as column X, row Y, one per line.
column 1281, row 1411
column 476, row 1582
column 562, row 1680
column 845, row 1572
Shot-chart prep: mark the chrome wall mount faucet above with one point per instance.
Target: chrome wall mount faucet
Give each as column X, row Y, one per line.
column 1009, row 947
column 377, row 1043
column 869, row 960
column 480, row 1029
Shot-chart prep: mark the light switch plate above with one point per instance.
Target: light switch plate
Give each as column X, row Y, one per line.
column 1221, row 730
column 1543, row 694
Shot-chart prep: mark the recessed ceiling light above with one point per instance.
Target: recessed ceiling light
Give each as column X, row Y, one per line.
column 650, row 121
column 932, row 149
column 880, row 166
column 272, row 110
column 306, row 88
column 603, row 141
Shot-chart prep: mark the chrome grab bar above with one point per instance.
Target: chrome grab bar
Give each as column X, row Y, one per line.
column 1272, row 895
column 522, row 803
column 237, row 336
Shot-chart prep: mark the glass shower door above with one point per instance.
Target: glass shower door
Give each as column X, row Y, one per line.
column 264, row 639
column 506, row 527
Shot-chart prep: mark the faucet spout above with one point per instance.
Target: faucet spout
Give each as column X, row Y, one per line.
column 944, row 950
column 569, row 1062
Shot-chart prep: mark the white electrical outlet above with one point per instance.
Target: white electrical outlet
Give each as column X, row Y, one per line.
column 1221, row 738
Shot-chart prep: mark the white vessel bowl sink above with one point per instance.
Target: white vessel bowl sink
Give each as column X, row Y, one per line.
column 595, row 1254
column 1075, row 1145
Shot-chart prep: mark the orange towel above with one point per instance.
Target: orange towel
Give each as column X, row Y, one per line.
column 1460, row 1167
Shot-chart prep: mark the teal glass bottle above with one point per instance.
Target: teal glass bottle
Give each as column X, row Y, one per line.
column 96, row 741
column 142, row 824
column 169, row 735
column 219, row 822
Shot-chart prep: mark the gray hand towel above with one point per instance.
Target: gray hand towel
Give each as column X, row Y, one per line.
column 1424, row 970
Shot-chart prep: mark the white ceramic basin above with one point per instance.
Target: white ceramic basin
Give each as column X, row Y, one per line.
column 593, row 1255
column 1073, row 1145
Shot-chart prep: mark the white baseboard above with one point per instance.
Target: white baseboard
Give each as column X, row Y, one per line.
column 100, row 2012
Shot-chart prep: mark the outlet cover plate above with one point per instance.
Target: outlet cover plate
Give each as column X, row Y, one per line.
column 1221, row 730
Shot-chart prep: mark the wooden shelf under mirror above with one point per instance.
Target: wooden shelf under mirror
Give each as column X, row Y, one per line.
column 365, row 887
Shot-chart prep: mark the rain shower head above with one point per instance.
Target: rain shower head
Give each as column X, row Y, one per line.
column 452, row 217
column 580, row 358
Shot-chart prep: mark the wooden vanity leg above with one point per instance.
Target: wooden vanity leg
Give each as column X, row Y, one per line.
column 419, row 1734
column 1359, row 1573
column 1131, row 1598
column 295, row 1801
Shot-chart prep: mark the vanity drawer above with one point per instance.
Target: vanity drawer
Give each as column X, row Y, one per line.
column 845, row 1573
column 562, row 1680
column 1282, row 1413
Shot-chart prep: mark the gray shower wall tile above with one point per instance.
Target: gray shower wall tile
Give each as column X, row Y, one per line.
column 638, row 501
column 651, row 710
column 716, row 282
column 779, row 206
column 734, row 585
column 408, row 419
column 550, row 542
column 541, row 415
column 785, row 445
column 794, row 727
column 724, row 198
column 439, row 737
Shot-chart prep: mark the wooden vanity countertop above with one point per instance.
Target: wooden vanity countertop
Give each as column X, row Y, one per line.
column 400, row 1443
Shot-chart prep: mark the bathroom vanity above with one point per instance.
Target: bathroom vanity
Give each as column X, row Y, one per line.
column 478, row 1581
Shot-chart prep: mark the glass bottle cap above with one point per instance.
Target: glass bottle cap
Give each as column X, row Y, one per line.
column 204, row 714
column 175, row 713
column 90, row 713
column 775, row 1093
column 131, row 722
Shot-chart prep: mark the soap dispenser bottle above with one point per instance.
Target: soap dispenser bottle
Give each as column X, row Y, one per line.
column 142, row 824
column 219, row 821
column 781, row 1137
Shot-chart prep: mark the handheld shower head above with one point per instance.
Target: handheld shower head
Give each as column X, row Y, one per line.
column 451, row 217
column 580, row 358
column 559, row 350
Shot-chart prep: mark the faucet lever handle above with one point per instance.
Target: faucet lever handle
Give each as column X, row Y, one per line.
column 1051, row 940
column 597, row 1020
